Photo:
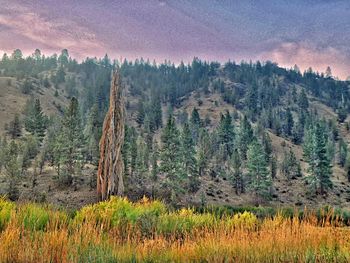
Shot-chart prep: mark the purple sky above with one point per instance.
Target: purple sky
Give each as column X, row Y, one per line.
column 305, row 32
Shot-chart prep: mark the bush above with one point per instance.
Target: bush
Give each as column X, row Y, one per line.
column 33, row 217
column 245, row 220
column 6, row 209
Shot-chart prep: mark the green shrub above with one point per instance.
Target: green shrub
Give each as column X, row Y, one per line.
column 6, row 209
column 33, row 217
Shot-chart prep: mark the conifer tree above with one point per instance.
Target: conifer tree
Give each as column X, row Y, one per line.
column 203, row 151
column 343, row 152
column 251, row 100
column 245, row 136
column 260, row 180
column 35, row 121
column 226, row 135
column 140, row 113
column 237, row 172
column 171, row 157
column 315, row 152
column 70, row 141
column 289, row 123
column 303, row 101
column 92, row 133
column 195, row 124
column 155, row 168
column 290, row 167
column 189, row 153
column 13, row 169
column 15, row 127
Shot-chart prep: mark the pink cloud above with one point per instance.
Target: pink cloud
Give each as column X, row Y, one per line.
column 50, row 35
column 305, row 55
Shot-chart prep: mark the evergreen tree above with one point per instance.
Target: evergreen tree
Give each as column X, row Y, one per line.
column 290, row 167
column 289, row 123
column 189, row 153
column 15, row 127
column 303, row 101
column 315, row 152
column 30, row 149
column 260, row 180
column 245, row 136
column 203, row 151
column 140, row 113
column 273, row 165
column 195, row 124
column 35, row 120
column 237, row 172
column 226, row 135
column 267, row 145
column 70, row 141
column 343, row 152
column 92, row 133
column 171, row 157
column 251, row 101
column 13, row 169
column 155, row 168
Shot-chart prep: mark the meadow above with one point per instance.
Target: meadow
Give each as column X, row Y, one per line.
column 147, row 231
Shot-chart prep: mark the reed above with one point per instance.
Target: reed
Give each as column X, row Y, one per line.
column 121, row 231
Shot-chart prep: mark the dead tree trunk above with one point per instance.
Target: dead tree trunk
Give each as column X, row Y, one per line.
column 111, row 166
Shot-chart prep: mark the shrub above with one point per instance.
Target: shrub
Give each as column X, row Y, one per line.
column 33, row 217
column 6, row 209
column 245, row 220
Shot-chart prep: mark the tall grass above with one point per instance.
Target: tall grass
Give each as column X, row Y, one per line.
column 121, row 231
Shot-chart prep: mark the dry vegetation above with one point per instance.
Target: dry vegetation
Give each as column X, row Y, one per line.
column 13, row 101
column 121, row 231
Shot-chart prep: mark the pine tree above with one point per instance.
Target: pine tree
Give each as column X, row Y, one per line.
column 203, row 151
column 195, row 124
column 92, row 133
column 35, row 120
column 273, row 165
column 156, row 115
column 290, row 167
column 260, row 180
column 251, row 101
column 15, row 127
column 343, row 152
column 70, row 141
column 303, row 101
column 267, row 145
column 30, row 149
column 142, row 158
column 189, row 153
column 226, row 135
column 155, row 168
column 289, row 123
column 315, row 151
column 171, row 157
column 140, row 113
column 245, row 136
column 13, row 169
column 237, row 172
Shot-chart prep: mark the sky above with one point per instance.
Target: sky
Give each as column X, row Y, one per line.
column 309, row 33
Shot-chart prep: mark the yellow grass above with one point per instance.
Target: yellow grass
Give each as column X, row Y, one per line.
column 121, row 231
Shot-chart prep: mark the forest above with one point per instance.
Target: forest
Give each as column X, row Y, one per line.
column 221, row 162
column 170, row 149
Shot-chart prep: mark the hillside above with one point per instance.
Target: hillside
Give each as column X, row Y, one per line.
column 269, row 98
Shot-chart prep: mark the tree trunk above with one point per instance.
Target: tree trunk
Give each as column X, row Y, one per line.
column 111, row 165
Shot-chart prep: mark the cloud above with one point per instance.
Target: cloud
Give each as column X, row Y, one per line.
column 50, row 34
column 307, row 55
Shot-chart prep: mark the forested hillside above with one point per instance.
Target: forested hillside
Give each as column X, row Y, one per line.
column 200, row 133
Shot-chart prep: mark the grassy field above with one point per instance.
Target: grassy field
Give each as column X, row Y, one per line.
column 121, row 231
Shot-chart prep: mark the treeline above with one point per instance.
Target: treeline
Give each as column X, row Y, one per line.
column 266, row 99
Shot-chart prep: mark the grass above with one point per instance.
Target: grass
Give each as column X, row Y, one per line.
column 147, row 231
